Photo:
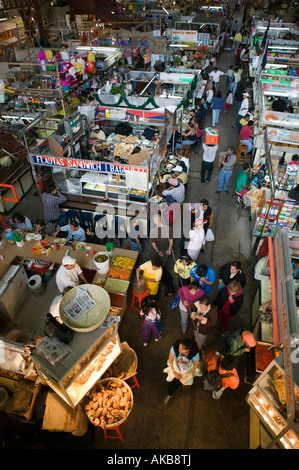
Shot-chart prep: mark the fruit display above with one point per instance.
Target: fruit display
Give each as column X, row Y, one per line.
column 109, row 403
column 124, row 262
column 119, row 273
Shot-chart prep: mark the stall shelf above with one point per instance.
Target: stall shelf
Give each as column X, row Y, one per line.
column 150, row 84
column 17, row 173
column 274, row 396
column 203, row 25
column 90, row 356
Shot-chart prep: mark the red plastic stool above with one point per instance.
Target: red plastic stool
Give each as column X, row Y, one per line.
column 136, row 383
column 119, row 431
column 139, row 298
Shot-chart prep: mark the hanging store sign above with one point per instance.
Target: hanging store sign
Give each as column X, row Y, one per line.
column 286, row 135
column 280, row 119
column 184, row 36
column 86, row 165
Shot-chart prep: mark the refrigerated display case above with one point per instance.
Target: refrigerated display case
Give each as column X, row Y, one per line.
column 268, row 399
column 90, row 356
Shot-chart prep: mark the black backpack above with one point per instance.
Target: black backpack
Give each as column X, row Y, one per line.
column 59, row 330
column 213, row 380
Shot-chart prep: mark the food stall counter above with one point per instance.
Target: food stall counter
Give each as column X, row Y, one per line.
column 83, row 258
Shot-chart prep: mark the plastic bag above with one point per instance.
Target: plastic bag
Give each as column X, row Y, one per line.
column 210, row 236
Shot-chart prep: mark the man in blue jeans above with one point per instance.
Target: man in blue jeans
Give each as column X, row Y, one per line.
column 228, row 160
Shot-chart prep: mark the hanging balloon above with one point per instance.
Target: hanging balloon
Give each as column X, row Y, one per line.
column 90, row 67
column 91, row 57
column 49, row 55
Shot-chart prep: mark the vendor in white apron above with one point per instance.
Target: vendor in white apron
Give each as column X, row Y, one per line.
column 69, row 274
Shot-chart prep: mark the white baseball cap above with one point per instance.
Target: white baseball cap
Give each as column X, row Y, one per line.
column 68, row 260
column 178, row 168
column 246, row 94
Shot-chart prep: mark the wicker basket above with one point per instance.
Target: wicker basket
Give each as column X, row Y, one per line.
column 125, row 365
column 94, row 317
column 97, row 388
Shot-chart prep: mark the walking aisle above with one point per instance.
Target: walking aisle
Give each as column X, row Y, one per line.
column 191, row 419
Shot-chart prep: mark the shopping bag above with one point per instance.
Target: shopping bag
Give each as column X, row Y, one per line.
column 210, row 236
column 158, row 324
column 175, row 302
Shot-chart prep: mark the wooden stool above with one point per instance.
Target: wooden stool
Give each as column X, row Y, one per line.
column 242, row 153
column 119, row 432
column 187, row 151
column 138, row 298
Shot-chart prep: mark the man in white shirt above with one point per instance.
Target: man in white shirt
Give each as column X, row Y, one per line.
column 215, row 75
column 69, row 274
column 243, row 108
column 209, row 154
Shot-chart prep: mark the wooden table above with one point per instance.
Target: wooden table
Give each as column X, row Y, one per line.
column 83, row 258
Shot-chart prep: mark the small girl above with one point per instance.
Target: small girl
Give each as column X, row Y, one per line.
column 151, row 323
column 229, row 100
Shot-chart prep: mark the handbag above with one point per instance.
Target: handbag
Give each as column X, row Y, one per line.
column 61, row 331
column 175, row 302
column 158, row 324
column 210, row 236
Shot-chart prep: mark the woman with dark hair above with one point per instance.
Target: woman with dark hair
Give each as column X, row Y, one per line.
column 217, row 105
column 229, row 300
column 20, row 222
column 204, row 317
column 183, row 267
column 151, row 314
column 231, row 272
column 188, row 295
column 183, row 366
column 152, row 273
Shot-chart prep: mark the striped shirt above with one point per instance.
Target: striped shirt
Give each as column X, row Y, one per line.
column 51, row 206
column 79, row 235
column 177, row 192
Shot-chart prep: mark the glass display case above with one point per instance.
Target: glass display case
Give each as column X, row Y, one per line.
column 268, row 399
column 90, row 356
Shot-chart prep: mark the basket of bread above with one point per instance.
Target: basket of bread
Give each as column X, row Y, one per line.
column 125, row 365
column 109, row 403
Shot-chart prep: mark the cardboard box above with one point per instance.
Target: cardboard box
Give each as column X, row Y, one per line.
column 60, row 417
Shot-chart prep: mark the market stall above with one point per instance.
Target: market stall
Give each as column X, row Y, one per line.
column 125, row 177
column 93, row 312
column 274, row 396
column 208, row 29
column 15, row 171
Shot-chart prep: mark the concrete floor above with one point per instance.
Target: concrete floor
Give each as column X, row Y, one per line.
column 192, row 419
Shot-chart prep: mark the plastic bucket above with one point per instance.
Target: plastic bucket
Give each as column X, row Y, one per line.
column 9, row 234
column 35, row 284
column 102, row 267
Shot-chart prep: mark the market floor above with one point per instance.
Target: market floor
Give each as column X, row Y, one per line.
column 192, row 419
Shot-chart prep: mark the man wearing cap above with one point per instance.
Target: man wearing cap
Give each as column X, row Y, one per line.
column 238, row 342
column 244, row 107
column 69, row 274
column 176, row 190
column 180, row 174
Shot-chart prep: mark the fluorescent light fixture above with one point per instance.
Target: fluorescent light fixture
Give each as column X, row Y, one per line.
column 284, row 48
column 178, row 45
column 165, row 11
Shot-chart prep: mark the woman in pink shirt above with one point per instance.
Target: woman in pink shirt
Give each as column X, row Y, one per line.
column 188, row 295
